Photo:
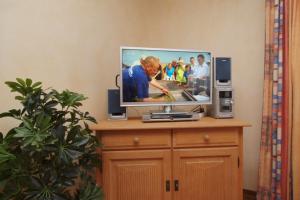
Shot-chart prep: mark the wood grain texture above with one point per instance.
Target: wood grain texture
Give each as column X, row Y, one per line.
column 136, row 175
column 137, row 162
column 205, row 137
column 136, row 139
column 241, row 164
column 137, row 124
column 207, row 173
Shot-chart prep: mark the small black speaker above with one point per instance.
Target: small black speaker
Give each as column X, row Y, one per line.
column 222, row 71
column 115, row 111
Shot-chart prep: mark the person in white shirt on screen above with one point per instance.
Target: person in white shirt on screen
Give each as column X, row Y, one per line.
column 200, row 76
column 192, row 61
column 200, row 70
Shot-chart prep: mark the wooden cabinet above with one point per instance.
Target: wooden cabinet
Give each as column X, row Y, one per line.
column 208, row 173
column 137, row 175
column 171, row 161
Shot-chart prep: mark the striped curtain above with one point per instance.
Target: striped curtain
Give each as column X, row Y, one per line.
column 273, row 166
column 279, row 169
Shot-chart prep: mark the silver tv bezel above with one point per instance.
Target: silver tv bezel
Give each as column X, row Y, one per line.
column 140, row 104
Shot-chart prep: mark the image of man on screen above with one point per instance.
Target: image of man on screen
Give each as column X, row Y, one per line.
column 192, row 62
column 200, row 70
column 136, row 80
column 200, row 73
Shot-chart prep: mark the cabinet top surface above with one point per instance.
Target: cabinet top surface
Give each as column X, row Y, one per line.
column 131, row 124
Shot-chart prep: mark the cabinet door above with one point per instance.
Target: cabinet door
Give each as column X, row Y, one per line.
column 206, row 173
column 137, row 175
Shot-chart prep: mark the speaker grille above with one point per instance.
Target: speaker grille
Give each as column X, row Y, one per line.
column 223, row 69
column 114, row 102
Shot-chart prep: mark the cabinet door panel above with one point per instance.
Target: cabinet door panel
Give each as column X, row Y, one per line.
column 208, row 173
column 136, row 175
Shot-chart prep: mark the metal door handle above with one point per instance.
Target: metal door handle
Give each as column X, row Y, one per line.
column 168, row 185
column 176, row 185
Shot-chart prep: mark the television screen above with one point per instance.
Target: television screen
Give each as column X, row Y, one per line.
column 153, row 76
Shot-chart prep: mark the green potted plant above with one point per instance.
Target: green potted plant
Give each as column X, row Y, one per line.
column 51, row 154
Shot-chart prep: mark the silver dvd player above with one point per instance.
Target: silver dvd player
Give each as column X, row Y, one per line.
column 170, row 117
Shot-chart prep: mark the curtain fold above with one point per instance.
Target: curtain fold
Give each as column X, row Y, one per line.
column 279, row 168
column 295, row 94
column 272, row 168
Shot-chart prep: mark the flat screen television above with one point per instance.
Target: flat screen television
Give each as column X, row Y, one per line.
column 163, row 77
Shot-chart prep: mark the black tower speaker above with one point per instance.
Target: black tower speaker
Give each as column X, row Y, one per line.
column 115, row 111
column 222, row 71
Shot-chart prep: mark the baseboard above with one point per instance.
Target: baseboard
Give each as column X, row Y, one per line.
column 249, row 195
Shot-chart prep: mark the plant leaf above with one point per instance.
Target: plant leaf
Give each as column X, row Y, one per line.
column 28, row 82
column 5, row 156
column 52, row 143
column 90, row 192
column 73, row 154
column 81, row 141
column 36, row 84
column 51, row 104
column 43, row 122
column 74, row 131
column 20, row 98
column 60, row 131
column 16, row 87
column 22, row 132
column 11, row 113
column 28, row 123
column 21, row 81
